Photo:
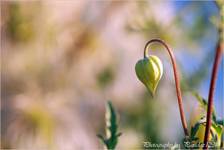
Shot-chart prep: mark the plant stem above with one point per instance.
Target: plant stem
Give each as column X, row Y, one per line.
column 218, row 57
column 176, row 77
column 217, row 61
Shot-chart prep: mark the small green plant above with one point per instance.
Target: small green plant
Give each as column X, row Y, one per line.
column 112, row 134
column 149, row 72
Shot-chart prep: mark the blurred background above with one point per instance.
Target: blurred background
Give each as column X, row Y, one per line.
column 62, row 60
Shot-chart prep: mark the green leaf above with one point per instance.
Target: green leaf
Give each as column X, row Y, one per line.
column 217, row 134
column 111, row 128
column 198, row 131
column 101, row 138
column 149, row 71
column 218, row 128
column 194, row 130
column 203, row 104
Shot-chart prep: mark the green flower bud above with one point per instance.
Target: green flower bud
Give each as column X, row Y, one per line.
column 149, row 71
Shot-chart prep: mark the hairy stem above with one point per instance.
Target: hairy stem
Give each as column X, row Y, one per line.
column 176, row 77
column 217, row 61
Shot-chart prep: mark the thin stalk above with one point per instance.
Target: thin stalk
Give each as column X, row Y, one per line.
column 218, row 57
column 176, row 77
column 217, row 61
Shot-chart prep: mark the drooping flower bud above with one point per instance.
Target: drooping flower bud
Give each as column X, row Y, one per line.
column 149, row 71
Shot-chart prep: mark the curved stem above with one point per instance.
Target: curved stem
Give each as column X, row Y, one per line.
column 217, row 61
column 176, row 77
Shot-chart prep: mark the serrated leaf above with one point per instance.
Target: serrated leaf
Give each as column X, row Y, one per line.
column 111, row 128
column 111, row 121
column 101, row 138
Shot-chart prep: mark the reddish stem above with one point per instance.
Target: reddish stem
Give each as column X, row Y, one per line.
column 217, row 61
column 176, row 77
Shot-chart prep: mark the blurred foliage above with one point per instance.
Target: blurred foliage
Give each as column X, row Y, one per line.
column 194, row 27
column 144, row 118
column 20, row 24
column 40, row 119
column 86, row 39
column 105, row 77
column 204, row 105
column 145, row 24
column 193, row 80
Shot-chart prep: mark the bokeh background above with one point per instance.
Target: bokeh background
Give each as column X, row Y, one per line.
column 62, row 60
